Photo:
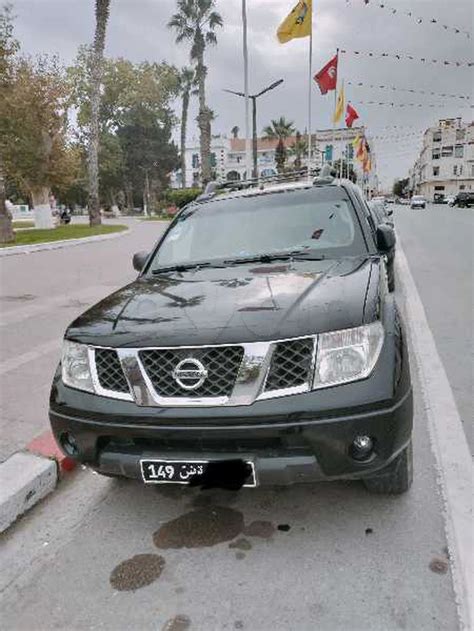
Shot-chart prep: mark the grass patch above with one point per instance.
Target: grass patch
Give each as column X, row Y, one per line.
column 30, row 237
column 23, row 224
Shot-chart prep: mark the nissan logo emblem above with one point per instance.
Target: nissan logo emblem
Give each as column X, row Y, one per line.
column 190, row 374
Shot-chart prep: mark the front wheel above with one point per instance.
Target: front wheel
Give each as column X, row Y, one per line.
column 396, row 478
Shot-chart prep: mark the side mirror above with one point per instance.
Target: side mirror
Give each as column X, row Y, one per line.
column 385, row 238
column 139, row 260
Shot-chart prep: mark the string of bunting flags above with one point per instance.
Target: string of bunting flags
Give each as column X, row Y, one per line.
column 426, row 105
column 404, row 56
column 419, row 20
column 361, row 84
column 298, row 24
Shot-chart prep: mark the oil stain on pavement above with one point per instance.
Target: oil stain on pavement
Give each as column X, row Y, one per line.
column 200, row 528
column 178, row 623
column 259, row 528
column 241, row 544
column 439, row 565
column 138, row 571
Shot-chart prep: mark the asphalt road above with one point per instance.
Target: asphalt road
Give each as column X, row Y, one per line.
column 40, row 294
column 328, row 556
column 439, row 245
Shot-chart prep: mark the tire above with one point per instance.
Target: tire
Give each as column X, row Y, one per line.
column 396, row 478
column 391, row 273
column 391, row 280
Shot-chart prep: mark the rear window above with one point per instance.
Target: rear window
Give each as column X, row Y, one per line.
column 313, row 220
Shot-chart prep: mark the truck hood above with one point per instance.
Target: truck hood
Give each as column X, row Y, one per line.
column 243, row 303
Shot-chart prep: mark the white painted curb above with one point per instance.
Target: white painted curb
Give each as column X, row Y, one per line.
column 56, row 245
column 24, row 480
column 448, row 443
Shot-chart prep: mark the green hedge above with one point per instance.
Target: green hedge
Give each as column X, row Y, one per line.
column 181, row 197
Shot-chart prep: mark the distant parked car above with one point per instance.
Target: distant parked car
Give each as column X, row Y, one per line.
column 439, row 198
column 418, row 201
column 464, row 199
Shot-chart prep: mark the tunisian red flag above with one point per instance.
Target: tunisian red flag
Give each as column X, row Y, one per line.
column 351, row 115
column 326, row 78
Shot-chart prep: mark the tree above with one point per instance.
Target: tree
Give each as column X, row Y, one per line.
column 187, row 84
column 101, row 17
column 196, row 22
column 33, row 127
column 235, row 131
column 280, row 130
column 135, row 123
column 298, row 149
column 8, row 48
column 400, row 187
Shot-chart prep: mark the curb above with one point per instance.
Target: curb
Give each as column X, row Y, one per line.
column 28, row 476
column 448, row 444
column 57, row 245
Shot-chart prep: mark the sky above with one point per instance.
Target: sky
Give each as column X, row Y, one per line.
column 137, row 30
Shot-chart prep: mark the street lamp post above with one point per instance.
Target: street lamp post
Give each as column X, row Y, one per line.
column 254, row 98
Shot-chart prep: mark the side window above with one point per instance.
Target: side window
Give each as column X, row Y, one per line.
column 368, row 215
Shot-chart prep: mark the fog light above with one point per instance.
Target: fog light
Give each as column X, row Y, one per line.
column 362, row 447
column 69, row 444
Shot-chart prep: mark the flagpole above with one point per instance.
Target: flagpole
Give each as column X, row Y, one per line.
column 248, row 156
column 334, row 110
column 309, row 95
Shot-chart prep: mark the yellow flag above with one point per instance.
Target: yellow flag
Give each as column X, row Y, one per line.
column 339, row 111
column 297, row 23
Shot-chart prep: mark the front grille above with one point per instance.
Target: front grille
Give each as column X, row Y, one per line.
column 109, row 370
column 291, row 364
column 222, row 364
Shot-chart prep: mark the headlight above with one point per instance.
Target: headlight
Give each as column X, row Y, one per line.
column 347, row 355
column 75, row 366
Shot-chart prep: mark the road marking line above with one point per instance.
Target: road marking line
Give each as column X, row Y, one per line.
column 91, row 294
column 448, row 443
column 30, row 356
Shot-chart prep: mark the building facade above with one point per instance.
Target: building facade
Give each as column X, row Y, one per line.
column 228, row 156
column 445, row 165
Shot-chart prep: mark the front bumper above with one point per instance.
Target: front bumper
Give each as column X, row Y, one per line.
column 286, row 447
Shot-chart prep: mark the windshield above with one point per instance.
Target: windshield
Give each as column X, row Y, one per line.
column 309, row 222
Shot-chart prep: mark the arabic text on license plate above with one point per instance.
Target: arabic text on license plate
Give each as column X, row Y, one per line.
column 177, row 471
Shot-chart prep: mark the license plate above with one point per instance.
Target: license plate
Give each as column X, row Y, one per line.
column 181, row 471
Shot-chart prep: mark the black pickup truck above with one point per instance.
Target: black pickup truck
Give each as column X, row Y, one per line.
column 260, row 344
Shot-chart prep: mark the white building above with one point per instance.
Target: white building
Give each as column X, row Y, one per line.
column 228, row 156
column 445, row 165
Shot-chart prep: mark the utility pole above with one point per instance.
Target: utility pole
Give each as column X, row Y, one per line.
column 248, row 158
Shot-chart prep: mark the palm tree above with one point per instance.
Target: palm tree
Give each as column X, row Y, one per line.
column 298, row 149
column 196, row 22
column 101, row 17
column 187, row 83
column 279, row 130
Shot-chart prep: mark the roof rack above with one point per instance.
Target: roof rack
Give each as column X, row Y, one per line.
column 279, row 178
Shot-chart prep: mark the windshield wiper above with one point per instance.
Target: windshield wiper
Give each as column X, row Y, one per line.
column 183, row 267
column 264, row 258
column 307, row 256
